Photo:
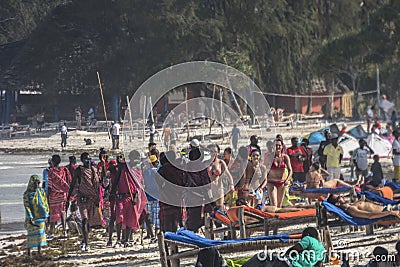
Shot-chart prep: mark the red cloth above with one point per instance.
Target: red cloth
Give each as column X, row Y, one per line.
column 129, row 184
column 71, row 168
column 297, row 165
column 58, row 191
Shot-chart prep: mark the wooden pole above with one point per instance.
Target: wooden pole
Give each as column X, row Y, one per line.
column 104, row 105
column 144, row 117
column 222, row 113
column 187, row 114
column 162, row 248
column 212, row 111
column 151, row 111
column 130, row 113
column 233, row 94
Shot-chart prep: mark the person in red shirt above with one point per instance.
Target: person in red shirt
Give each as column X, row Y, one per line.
column 376, row 127
column 297, row 156
column 343, row 131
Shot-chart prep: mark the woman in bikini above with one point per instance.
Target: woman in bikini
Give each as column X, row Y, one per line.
column 315, row 178
column 278, row 175
column 254, row 179
column 221, row 179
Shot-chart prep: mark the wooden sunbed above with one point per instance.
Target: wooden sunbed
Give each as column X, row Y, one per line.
column 247, row 218
column 173, row 251
column 325, row 221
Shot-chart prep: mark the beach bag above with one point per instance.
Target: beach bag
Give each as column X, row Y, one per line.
column 210, row 257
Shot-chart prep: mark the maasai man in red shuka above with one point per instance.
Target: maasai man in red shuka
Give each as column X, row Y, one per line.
column 136, row 167
column 87, row 182
column 72, row 166
column 130, row 200
column 102, row 167
column 112, row 168
column 58, row 192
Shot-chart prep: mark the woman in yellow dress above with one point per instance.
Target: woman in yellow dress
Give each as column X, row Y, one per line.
column 37, row 211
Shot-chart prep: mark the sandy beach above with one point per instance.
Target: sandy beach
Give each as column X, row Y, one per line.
column 65, row 252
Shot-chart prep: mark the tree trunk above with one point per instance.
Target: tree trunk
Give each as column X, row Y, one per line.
column 355, row 107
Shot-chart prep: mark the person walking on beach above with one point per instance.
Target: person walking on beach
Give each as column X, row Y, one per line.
column 396, row 155
column 235, row 137
column 151, row 187
column 72, row 166
column 334, row 155
column 254, row 181
column 170, row 215
column 45, row 183
column 115, row 134
column 167, row 132
column 136, row 166
column 78, row 118
column 280, row 172
column 221, row 179
column 64, row 132
column 87, row 181
column 253, row 144
column 152, row 132
column 196, row 176
column 59, row 178
column 124, row 192
column 370, row 117
column 102, row 167
column 36, row 213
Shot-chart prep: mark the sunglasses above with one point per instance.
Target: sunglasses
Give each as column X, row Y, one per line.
column 339, row 197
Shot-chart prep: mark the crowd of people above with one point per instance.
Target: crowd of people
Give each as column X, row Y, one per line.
column 125, row 195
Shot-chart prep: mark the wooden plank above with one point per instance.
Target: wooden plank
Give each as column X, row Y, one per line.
column 242, row 225
column 161, row 247
column 176, row 261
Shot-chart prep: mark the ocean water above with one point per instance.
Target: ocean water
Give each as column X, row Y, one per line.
column 15, row 171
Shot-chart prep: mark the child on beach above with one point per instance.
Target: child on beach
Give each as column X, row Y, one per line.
column 74, row 220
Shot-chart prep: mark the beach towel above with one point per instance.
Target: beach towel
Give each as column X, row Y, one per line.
column 221, row 216
column 347, row 217
column 377, row 198
column 385, row 191
column 323, row 190
column 393, row 185
column 233, row 214
column 190, row 237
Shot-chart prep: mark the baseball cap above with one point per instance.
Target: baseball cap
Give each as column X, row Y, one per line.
column 195, row 143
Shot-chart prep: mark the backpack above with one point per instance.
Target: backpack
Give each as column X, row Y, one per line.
column 210, row 257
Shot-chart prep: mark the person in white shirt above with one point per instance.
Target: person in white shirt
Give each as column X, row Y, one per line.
column 396, row 155
column 152, row 132
column 64, row 132
column 360, row 158
column 115, row 134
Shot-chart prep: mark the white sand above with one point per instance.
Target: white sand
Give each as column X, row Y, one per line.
column 148, row 254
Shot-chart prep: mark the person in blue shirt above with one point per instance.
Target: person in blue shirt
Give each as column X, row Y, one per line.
column 45, row 183
column 307, row 253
